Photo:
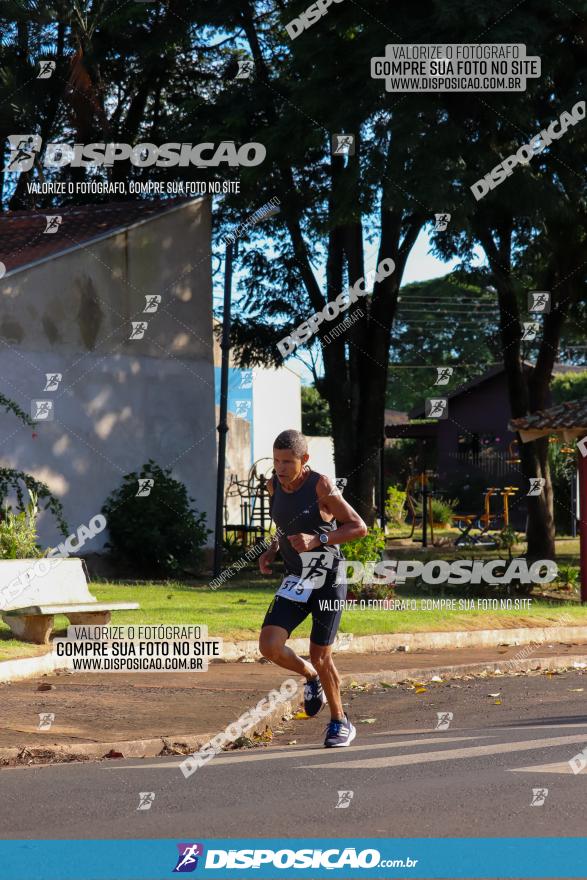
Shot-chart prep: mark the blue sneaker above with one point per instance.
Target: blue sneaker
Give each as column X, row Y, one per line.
column 339, row 733
column 314, row 697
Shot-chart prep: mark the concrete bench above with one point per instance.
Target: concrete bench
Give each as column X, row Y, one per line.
column 33, row 591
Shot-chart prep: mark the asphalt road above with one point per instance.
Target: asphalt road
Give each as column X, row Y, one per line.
column 408, row 779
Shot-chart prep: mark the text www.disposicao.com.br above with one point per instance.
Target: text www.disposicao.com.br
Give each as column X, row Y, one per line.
column 136, row 664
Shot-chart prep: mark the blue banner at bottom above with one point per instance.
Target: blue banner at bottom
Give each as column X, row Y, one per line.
column 312, row 858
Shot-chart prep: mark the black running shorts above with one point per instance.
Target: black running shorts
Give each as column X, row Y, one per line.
column 324, row 604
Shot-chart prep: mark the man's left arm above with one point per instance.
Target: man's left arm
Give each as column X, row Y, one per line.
column 350, row 526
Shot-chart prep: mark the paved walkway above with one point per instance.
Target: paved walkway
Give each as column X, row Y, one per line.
column 100, row 708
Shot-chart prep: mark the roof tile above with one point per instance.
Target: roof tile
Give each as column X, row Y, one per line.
column 572, row 414
column 23, row 240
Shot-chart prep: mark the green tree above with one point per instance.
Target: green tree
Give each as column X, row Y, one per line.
column 532, row 227
column 450, row 322
column 13, row 482
column 315, row 413
column 569, row 386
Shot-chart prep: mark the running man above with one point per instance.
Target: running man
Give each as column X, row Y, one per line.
column 312, row 518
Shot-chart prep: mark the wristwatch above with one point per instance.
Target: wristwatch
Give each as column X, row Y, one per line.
column 323, row 538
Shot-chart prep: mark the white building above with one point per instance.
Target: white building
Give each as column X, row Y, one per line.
column 68, row 304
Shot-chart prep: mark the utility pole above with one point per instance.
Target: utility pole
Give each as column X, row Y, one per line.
column 223, row 419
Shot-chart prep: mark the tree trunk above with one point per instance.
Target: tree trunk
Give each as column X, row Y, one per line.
column 540, row 533
column 353, row 385
column 527, row 389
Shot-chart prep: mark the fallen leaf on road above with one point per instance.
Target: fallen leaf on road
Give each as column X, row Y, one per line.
column 301, row 714
column 367, row 720
column 498, row 694
column 497, row 702
column 45, row 686
column 384, row 684
column 266, row 736
column 243, row 742
column 421, row 690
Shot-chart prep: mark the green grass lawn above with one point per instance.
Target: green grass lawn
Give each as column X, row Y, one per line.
column 236, row 611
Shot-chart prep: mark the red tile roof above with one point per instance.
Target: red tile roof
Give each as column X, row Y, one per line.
column 23, row 240
column 572, row 414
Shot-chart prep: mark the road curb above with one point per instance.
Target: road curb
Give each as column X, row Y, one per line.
column 185, row 744
column 29, row 667
column 395, row 676
column 176, row 744
column 422, row 641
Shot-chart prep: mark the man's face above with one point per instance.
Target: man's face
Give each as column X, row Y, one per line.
column 287, row 466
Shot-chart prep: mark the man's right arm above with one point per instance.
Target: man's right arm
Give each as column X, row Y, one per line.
column 270, row 553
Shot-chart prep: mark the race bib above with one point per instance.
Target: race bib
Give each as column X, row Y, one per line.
column 294, row 588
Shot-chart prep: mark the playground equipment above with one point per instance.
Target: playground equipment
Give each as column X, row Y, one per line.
column 479, row 528
column 488, row 523
column 254, row 504
column 506, row 494
column 467, row 523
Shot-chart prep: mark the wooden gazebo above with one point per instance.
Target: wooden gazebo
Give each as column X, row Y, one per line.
column 568, row 421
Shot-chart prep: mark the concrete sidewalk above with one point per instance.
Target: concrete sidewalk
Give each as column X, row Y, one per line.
column 146, row 714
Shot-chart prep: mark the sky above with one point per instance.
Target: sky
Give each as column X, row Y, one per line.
column 422, row 266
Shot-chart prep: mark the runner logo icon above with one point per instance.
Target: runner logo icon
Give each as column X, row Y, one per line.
column 23, row 150
column 187, row 860
column 315, row 567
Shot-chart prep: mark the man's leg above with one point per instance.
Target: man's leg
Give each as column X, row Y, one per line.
column 321, row 657
column 272, row 646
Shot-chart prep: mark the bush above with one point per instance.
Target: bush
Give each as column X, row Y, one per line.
column 506, row 539
column 442, row 511
column 375, row 591
column 395, row 506
column 159, row 532
column 11, row 485
column 18, row 532
column 365, row 550
column 568, row 577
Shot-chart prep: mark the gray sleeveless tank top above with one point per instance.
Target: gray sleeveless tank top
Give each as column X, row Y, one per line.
column 295, row 512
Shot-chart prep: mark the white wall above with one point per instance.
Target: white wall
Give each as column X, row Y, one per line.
column 321, row 451
column 277, row 405
column 120, row 401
